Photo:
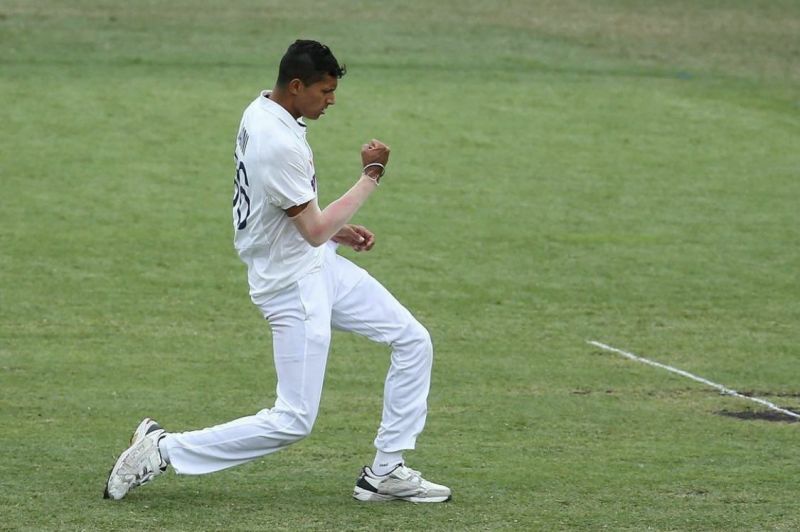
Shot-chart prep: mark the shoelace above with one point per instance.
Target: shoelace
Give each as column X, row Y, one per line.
column 415, row 476
column 146, row 478
column 143, row 476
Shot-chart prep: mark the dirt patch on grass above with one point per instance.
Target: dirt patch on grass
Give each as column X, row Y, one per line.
column 763, row 415
column 758, row 393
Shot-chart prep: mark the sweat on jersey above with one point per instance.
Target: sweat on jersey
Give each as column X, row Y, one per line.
column 274, row 171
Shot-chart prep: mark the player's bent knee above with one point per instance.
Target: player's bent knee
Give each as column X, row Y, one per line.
column 417, row 335
column 302, row 425
column 294, row 425
column 298, row 431
column 425, row 339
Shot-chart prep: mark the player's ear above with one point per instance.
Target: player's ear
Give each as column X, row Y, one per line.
column 295, row 86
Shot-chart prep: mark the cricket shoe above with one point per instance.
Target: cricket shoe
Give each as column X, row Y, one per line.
column 402, row 483
column 138, row 464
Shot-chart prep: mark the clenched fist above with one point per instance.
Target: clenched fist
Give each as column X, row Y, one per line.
column 374, row 152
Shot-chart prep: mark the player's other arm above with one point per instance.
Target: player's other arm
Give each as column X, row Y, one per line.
column 318, row 226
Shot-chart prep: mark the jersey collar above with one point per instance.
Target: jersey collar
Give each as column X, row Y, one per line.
column 298, row 126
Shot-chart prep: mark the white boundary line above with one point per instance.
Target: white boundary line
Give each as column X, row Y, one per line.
column 721, row 388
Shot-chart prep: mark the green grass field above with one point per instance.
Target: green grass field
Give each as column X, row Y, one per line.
column 614, row 170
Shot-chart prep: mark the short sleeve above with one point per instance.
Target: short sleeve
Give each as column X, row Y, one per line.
column 287, row 180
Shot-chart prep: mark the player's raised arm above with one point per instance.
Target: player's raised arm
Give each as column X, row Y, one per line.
column 318, row 226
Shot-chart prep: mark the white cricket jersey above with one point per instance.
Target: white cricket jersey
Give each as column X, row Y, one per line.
column 274, row 171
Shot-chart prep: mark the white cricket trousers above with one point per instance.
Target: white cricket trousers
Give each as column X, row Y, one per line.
column 343, row 296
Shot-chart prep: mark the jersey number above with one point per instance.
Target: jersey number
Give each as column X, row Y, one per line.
column 241, row 199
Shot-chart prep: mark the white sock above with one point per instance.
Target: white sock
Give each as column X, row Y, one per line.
column 385, row 462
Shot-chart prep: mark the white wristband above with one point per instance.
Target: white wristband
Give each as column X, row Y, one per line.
column 370, row 165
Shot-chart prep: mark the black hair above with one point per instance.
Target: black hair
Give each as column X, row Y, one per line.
column 308, row 61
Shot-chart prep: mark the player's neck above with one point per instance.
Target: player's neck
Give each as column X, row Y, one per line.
column 285, row 100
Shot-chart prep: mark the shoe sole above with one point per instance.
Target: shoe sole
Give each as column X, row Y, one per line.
column 369, row 496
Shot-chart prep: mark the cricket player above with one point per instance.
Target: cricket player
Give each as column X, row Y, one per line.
column 303, row 289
